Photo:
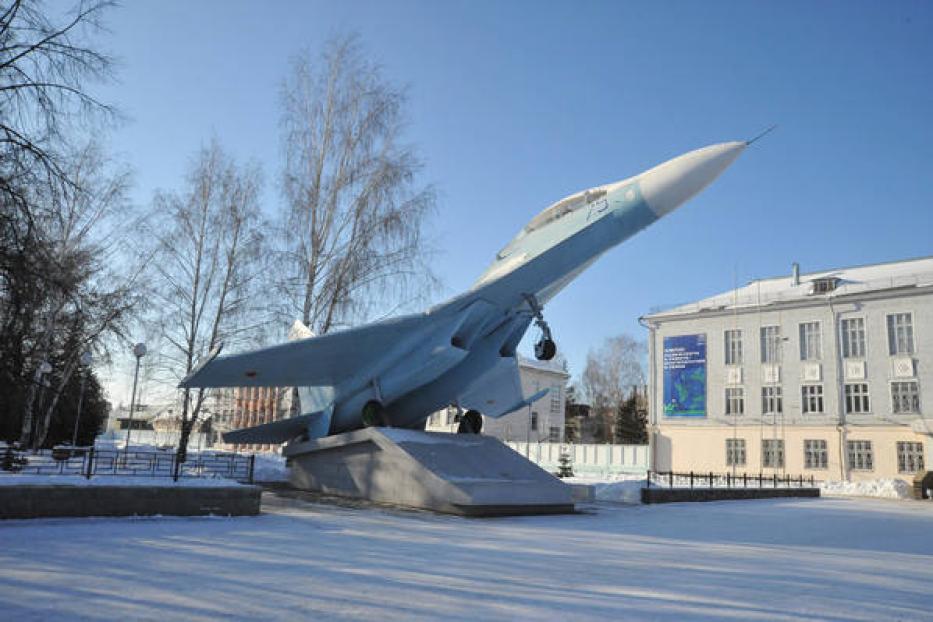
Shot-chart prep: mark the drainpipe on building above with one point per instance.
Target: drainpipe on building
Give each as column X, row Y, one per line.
column 653, row 432
column 840, row 393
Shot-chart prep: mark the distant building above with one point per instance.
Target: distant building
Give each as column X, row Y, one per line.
column 827, row 374
column 245, row 407
column 542, row 421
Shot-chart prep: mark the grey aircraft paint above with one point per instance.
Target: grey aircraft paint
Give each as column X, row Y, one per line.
column 463, row 351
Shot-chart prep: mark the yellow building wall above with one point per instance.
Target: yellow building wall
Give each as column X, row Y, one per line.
column 703, row 449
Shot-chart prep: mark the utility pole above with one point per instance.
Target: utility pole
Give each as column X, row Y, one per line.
column 86, row 359
column 139, row 351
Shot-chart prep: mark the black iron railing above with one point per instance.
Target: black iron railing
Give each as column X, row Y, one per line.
column 91, row 461
column 696, row 479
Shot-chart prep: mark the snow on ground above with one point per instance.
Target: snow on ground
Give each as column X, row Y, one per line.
column 782, row 559
column 884, row 488
column 621, row 488
column 627, row 488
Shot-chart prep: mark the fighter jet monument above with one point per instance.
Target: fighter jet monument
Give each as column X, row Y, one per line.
column 395, row 373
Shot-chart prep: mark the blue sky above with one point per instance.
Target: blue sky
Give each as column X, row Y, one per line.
column 513, row 105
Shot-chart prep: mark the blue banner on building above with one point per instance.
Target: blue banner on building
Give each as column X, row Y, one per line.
column 685, row 376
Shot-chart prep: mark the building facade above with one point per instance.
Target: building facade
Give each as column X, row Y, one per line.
column 540, row 422
column 245, row 407
column 827, row 374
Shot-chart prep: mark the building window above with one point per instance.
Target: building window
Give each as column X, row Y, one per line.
column 853, row 338
column 733, row 343
column 770, row 344
column 772, row 401
column 534, row 420
column 812, row 398
column 857, row 398
column 860, row 455
column 553, row 434
column 735, row 401
column 555, row 399
column 905, row 397
column 909, row 457
column 735, row 452
column 900, row 333
column 772, row 453
column 815, row 455
column 810, row 342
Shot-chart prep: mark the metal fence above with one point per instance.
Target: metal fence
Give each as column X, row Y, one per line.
column 92, row 461
column 691, row 479
column 587, row 458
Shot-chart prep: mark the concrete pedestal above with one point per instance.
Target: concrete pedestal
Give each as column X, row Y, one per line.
column 466, row 474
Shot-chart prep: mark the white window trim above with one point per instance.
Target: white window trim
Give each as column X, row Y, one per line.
column 800, row 326
column 916, row 381
column 913, row 327
column 866, row 354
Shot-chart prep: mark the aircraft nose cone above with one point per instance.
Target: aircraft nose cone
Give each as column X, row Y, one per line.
column 667, row 186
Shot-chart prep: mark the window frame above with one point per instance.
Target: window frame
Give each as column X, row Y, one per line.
column 860, row 398
column 807, row 350
column 733, row 349
column 818, row 450
column 894, row 339
column 772, row 453
column 861, row 340
column 910, row 454
column 860, row 455
column 776, row 398
column 916, row 402
column 738, row 398
column 736, row 448
column 818, row 395
column 770, row 342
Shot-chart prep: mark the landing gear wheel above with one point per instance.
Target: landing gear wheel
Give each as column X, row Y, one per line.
column 470, row 423
column 545, row 349
column 373, row 414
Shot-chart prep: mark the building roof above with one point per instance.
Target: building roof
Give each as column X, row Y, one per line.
column 554, row 366
column 909, row 273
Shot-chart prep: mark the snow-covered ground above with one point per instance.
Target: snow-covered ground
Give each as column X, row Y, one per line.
column 830, row 559
column 627, row 488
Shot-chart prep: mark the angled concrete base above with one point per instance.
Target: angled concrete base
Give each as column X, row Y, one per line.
column 466, row 474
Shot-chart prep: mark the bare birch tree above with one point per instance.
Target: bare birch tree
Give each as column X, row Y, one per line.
column 205, row 275
column 611, row 371
column 45, row 66
column 83, row 302
column 47, row 265
column 352, row 223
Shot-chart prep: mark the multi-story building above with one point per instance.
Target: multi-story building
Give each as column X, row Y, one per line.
column 245, row 407
column 542, row 421
column 827, row 374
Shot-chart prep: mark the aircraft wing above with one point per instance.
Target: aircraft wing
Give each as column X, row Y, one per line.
column 325, row 360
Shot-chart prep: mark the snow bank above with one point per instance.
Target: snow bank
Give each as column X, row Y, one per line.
column 621, row 488
column 885, row 488
column 29, row 479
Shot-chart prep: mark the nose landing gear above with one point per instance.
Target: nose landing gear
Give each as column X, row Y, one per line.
column 471, row 422
column 545, row 348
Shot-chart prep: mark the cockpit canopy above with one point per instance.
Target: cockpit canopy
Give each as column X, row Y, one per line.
column 564, row 207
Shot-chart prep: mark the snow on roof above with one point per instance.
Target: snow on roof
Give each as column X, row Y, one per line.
column 555, row 366
column 815, row 285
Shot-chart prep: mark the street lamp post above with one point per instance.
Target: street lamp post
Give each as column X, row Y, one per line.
column 86, row 359
column 139, row 351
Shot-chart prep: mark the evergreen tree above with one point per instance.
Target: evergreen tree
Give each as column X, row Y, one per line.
column 632, row 421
